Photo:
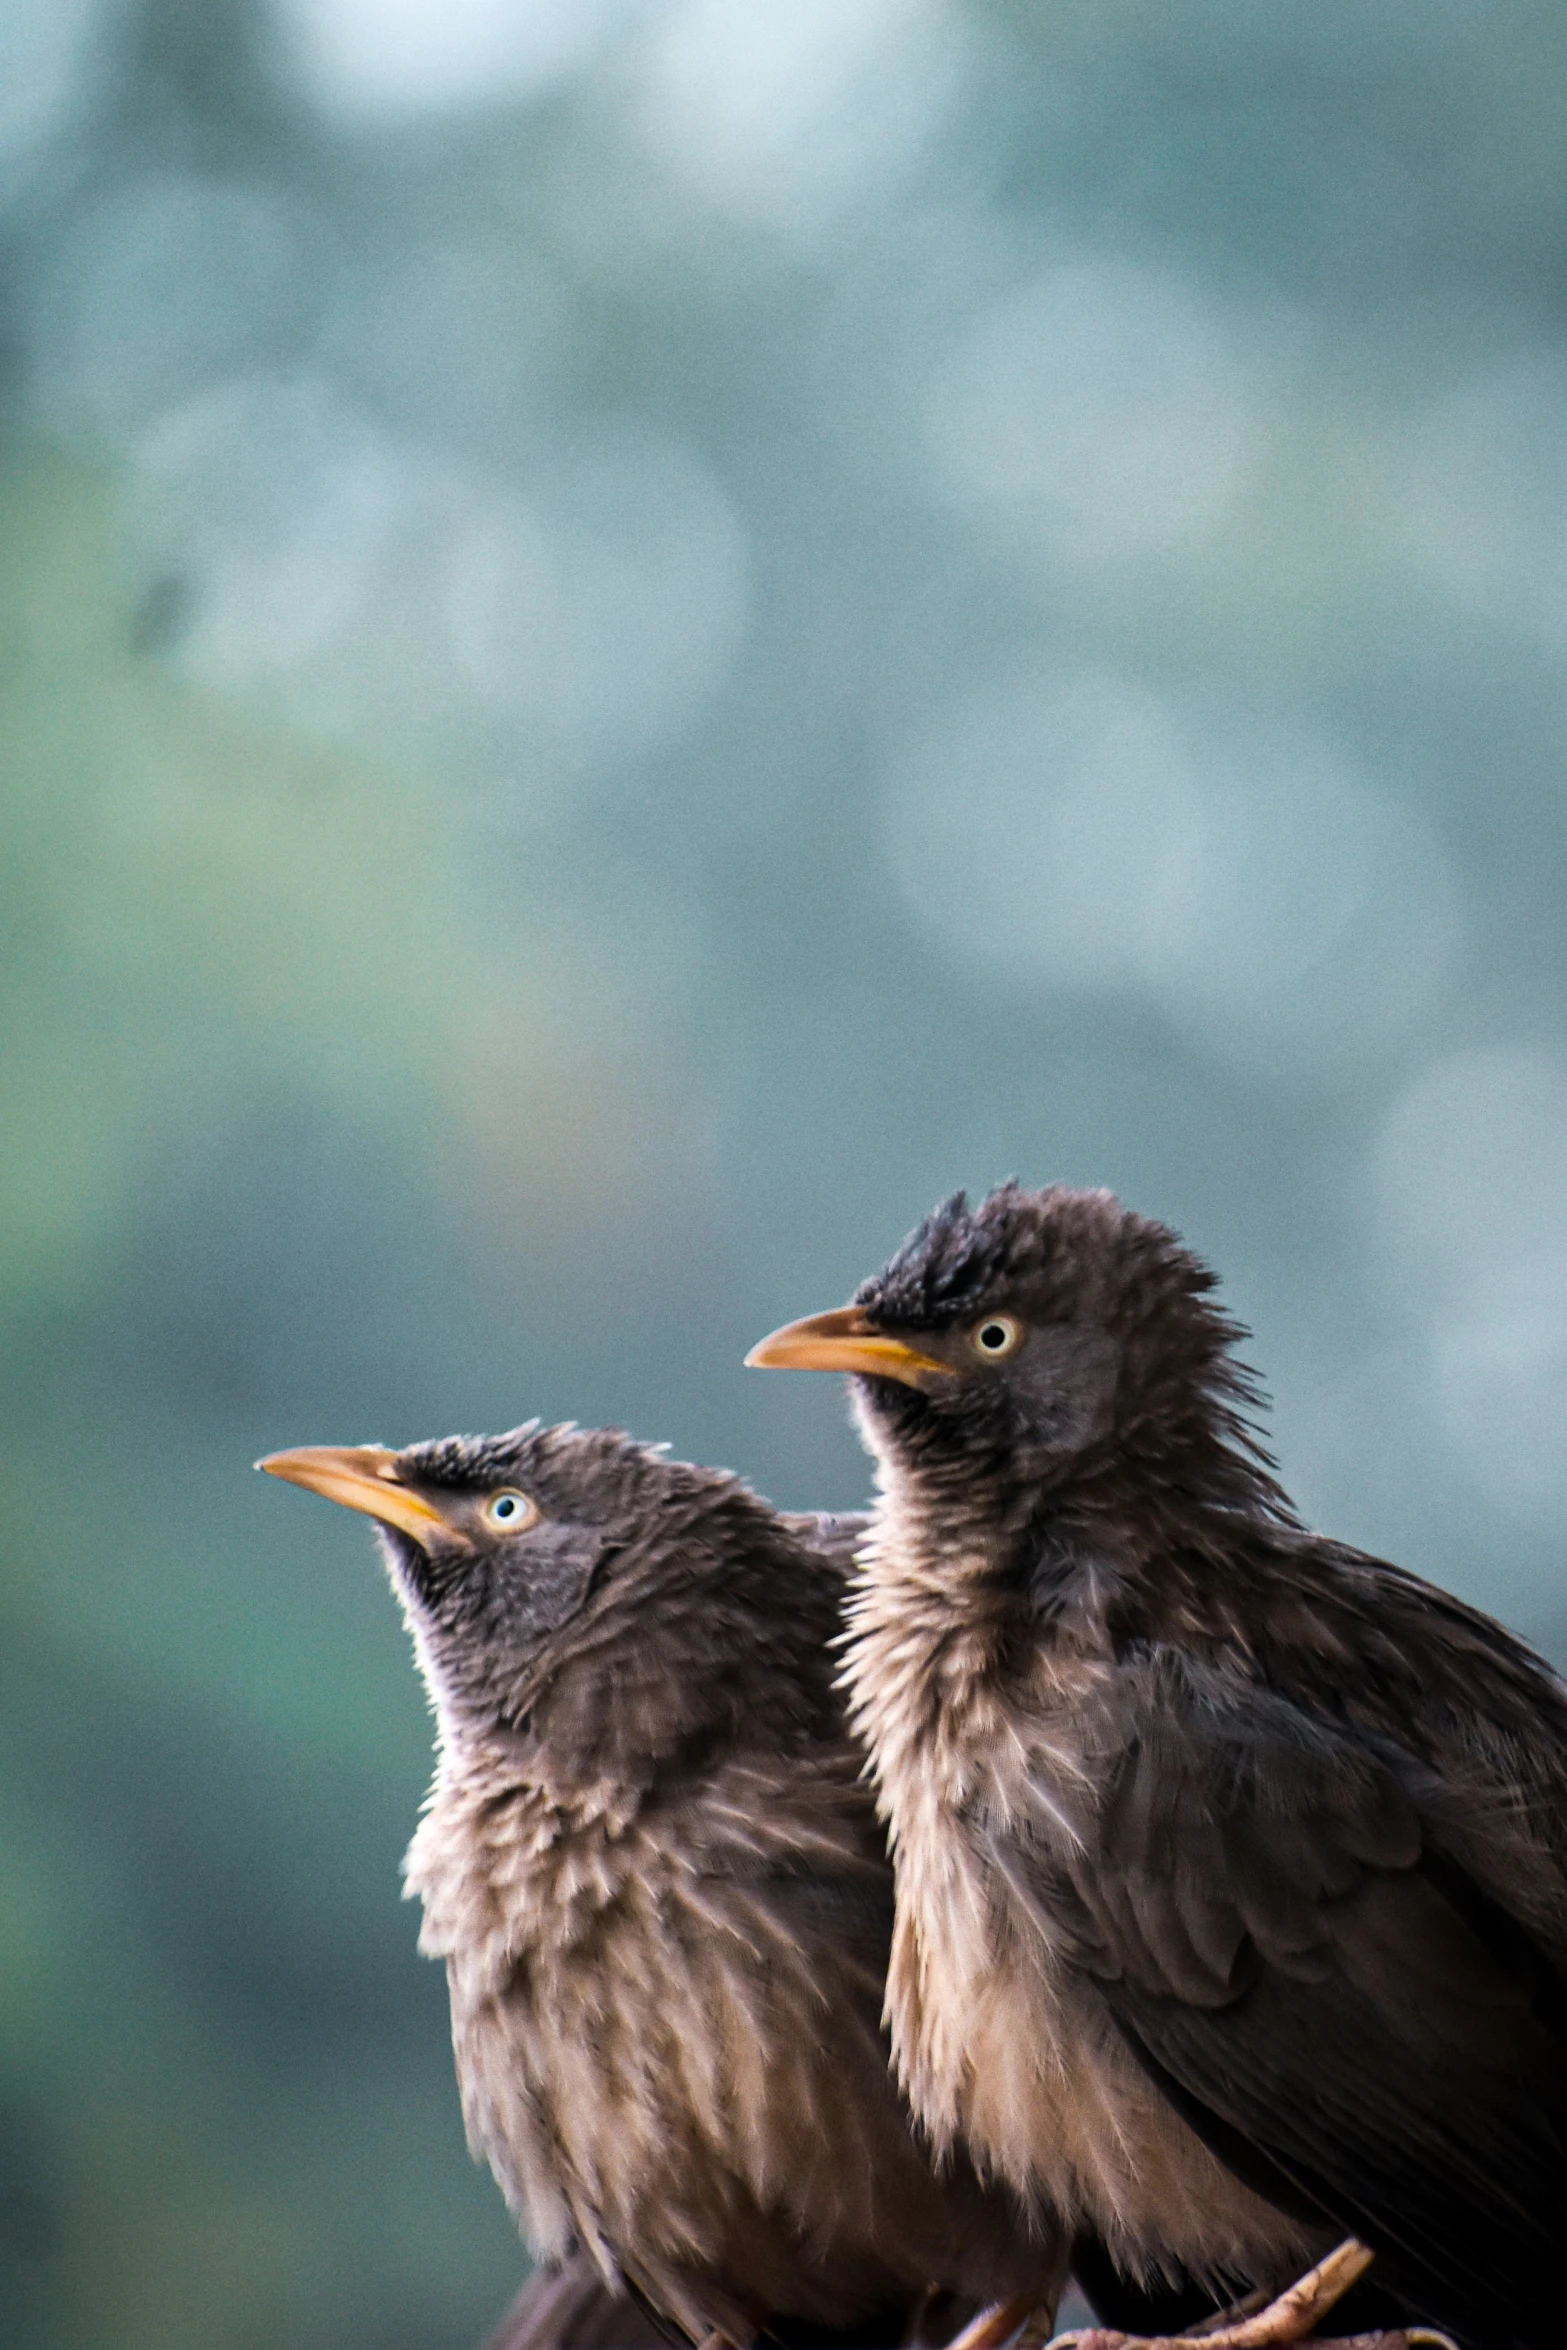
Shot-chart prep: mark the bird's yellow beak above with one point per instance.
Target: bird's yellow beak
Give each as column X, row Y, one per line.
column 843, row 1341
column 361, row 1477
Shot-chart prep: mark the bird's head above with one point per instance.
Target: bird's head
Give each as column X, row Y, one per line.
column 1042, row 1341
column 559, row 1579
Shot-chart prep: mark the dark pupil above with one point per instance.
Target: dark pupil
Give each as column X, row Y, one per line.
column 506, row 1508
column 993, row 1335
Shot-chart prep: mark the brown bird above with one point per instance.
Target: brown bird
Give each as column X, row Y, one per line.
column 661, row 1891
column 567, row 2305
column 1231, row 1863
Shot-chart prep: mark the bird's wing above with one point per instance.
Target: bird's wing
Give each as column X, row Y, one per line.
column 793, row 1894
column 797, row 1840
column 1331, row 2003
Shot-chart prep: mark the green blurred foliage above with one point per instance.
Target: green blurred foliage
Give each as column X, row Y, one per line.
column 190, row 899
column 196, row 906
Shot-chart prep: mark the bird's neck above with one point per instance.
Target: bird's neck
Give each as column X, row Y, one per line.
column 649, row 1687
column 941, row 1622
column 974, row 1592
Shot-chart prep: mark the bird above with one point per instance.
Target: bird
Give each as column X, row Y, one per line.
column 568, row 2305
column 656, row 1878
column 1231, row 1861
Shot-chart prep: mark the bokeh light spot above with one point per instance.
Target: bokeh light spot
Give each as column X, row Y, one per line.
column 1101, row 411
column 1470, row 1198
column 1079, row 834
column 168, row 284
column 272, row 504
column 388, row 61
column 603, row 607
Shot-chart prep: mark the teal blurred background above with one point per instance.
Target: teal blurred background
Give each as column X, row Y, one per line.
column 633, row 639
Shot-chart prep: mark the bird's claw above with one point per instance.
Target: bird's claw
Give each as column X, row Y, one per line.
column 1290, row 2320
column 996, row 2326
column 1394, row 2338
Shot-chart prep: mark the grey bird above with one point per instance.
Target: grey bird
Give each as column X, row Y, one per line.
column 1231, row 1863
column 657, row 1880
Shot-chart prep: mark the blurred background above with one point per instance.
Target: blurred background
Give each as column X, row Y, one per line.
column 635, row 636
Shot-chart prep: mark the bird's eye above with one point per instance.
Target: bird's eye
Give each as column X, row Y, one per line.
column 510, row 1512
column 996, row 1336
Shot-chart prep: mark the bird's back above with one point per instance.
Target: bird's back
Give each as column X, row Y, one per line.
column 1473, row 1717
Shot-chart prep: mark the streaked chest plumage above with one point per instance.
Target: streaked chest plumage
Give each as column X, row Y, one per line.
column 1001, row 2041
column 667, row 2056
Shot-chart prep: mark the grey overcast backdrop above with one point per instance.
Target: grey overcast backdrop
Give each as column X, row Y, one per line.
column 635, row 637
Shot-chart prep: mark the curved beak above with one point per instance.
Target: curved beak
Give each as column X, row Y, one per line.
column 361, row 1477
column 843, row 1341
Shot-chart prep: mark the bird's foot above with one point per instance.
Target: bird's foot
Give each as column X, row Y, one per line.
column 1291, row 2319
column 1295, row 2315
column 998, row 2325
column 1389, row 2338
column 1037, row 2329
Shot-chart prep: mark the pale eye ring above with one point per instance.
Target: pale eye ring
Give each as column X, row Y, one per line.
column 510, row 1512
column 996, row 1337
